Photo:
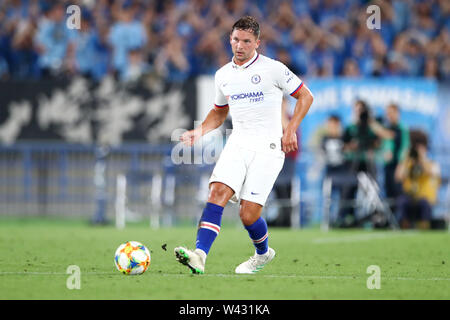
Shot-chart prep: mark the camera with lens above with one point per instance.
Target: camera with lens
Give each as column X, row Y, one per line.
column 418, row 138
column 416, row 168
column 366, row 140
column 413, row 153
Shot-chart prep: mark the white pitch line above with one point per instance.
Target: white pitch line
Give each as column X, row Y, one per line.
column 280, row 276
column 318, row 277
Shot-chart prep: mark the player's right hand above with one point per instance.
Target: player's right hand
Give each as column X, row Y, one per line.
column 189, row 137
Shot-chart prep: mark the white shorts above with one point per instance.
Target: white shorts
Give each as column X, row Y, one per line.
column 251, row 174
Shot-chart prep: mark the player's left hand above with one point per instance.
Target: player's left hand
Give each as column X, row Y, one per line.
column 289, row 142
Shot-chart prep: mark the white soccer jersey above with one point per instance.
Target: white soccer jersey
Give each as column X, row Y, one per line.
column 252, row 158
column 254, row 92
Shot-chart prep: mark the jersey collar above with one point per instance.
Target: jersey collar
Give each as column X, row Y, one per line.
column 247, row 64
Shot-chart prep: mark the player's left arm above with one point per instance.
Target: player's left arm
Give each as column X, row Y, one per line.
column 304, row 100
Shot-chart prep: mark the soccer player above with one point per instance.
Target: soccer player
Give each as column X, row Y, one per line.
column 251, row 87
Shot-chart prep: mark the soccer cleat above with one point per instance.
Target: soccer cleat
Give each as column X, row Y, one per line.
column 256, row 262
column 190, row 259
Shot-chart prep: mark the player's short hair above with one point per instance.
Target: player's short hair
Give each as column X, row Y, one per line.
column 247, row 23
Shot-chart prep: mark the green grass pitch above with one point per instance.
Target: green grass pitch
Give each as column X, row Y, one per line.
column 310, row 264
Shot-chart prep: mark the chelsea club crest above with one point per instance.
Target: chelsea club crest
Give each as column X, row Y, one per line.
column 256, row 79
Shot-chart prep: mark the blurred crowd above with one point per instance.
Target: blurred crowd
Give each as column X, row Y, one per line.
column 411, row 178
column 178, row 39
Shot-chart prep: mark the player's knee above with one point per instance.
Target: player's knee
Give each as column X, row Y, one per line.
column 219, row 194
column 249, row 212
column 247, row 218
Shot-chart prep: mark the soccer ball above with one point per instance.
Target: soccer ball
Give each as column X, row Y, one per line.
column 132, row 257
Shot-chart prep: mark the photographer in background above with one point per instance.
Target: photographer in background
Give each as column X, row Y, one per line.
column 420, row 178
column 360, row 143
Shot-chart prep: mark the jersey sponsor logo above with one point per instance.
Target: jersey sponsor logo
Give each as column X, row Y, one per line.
column 256, row 78
column 253, row 96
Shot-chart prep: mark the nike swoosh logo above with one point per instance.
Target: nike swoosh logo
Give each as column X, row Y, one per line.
column 254, row 193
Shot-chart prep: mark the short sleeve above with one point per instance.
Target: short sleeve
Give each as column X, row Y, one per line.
column 286, row 80
column 220, row 101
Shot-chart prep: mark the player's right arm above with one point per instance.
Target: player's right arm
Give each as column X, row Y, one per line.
column 215, row 118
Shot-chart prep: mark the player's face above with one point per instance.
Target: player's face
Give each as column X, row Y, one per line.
column 243, row 43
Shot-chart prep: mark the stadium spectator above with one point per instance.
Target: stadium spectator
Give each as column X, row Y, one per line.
column 136, row 66
column 208, row 48
column 420, row 178
column 24, row 57
column 285, row 57
column 322, row 37
column 431, row 68
column 51, row 41
column 172, row 62
column 126, row 34
column 414, row 57
column 86, row 51
column 351, row 68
